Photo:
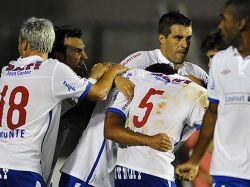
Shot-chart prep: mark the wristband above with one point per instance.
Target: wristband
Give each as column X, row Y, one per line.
column 92, row 81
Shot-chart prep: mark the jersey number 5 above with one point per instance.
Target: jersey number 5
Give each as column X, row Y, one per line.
column 13, row 106
column 148, row 105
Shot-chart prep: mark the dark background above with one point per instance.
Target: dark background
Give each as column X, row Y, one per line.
column 112, row 29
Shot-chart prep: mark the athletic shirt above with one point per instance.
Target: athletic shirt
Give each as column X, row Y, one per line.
column 143, row 59
column 94, row 156
column 229, row 86
column 161, row 104
column 32, row 89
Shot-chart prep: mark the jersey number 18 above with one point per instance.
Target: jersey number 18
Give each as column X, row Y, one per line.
column 20, row 107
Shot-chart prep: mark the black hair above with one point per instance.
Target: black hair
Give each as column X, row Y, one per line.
column 166, row 69
column 172, row 18
column 62, row 32
column 242, row 8
column 213, row 41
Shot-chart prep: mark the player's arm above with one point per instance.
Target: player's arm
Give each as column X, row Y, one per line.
column 188, row 170
column 115, row 131
column 196, row 80
column 100, row 90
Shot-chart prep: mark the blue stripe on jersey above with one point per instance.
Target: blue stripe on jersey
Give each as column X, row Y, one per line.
column 96, row 161
column 117, row 111
column 197, row 126
column 213, row 100
column 85, row 91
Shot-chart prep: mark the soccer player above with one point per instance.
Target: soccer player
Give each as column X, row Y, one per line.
column 69, row 48
column 174, row 35
column 227, row 118
column 32, row 88
column 211, row 45
column 161, row 104
column 94, row 158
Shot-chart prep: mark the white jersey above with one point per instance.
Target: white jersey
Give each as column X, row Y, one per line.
column 94, row 156
column 32, row 90
column 161, row 104
column 143, row 59
column 90, row 149
column 230, row 87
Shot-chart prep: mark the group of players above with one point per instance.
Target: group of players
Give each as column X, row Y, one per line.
column 149, row 113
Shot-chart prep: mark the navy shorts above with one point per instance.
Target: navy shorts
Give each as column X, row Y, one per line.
column 11, row 178
column 70, row 181
column 223, row 181
column 125, row 177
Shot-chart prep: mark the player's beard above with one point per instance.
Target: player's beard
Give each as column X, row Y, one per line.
column 81, row 70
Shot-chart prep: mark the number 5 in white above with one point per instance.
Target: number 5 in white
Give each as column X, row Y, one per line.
column 13, row 106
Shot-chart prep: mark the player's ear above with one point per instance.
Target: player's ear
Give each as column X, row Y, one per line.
column 25, row 45
column 242, row 24
column 161, row 39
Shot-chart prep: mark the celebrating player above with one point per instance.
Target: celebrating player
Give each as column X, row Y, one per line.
column 227, row 118
column 161, row 104
column 32, row 88
column 174, row 34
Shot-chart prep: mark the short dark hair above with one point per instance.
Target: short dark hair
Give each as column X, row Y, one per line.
column 166, row 69
column 212, row 41
column 62, row 32
column 242, row 8
column 172, row 18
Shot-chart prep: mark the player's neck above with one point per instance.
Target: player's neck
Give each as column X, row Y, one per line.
column 36, row 53
column 244, row 48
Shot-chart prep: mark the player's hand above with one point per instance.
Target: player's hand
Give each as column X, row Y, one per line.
column 125, row 86
column 117, row 69
column 98, row 70
column 160, row 142
column 187, row 171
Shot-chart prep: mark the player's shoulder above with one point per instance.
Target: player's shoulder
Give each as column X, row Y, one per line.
column 222, row 59
column 190, row 65
column 139, row 56
column 57, row 64
column 135, row 73
column 190, row 83
column 223, row 54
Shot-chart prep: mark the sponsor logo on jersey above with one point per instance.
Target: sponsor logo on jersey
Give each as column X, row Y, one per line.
column 16, row 133
column 70, row 87
column 3, row 173
column 164, row 78
column 226, row 71
column 127, row 60
column 126, row 105
column 237, row 98
column 126, row 173
column 25, row 70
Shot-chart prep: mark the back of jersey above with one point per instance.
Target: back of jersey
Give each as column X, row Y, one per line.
column 27, row 110
column 161, row 104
